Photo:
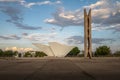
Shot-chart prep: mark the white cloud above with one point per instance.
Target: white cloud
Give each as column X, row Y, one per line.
column 19, row 1
column 105, row 15
column 66, row 18
column 19, row 49
column 58, row 2
column 97, row 4
column 80, row 40
column 13, row 49
column 101, row 13
column 118, row 6
column 28, row 5
column 10, row 0
column 28, row 49
column 42, row 38
column 50, row 20
column 10, row 37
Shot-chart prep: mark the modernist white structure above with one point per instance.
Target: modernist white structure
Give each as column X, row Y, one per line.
column 54, row 49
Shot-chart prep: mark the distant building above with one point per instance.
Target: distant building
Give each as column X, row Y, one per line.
column 54, row 49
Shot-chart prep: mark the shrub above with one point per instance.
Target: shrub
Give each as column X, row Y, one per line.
column 81, row 55
column 40, row 54
column 74, row 52
column 117, row 53
column 8, row 53
column 1, row 52
column 102, row 51
column 27, row 54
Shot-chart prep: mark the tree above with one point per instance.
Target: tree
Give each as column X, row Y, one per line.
column 40, row 54
column 74, row 52
column 15, row 52
column 28, row 54
column 8, row 53
column 102, row 50
column 1, row 52
column 117, row 53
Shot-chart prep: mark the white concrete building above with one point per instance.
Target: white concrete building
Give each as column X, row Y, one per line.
column 54, row 49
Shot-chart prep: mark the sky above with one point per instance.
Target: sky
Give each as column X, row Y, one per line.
column 23, row 22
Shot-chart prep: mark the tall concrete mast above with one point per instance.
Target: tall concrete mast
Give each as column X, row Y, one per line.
column 87, row 34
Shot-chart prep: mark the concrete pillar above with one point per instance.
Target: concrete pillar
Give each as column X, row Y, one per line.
column 90, row 33
column 87, row 34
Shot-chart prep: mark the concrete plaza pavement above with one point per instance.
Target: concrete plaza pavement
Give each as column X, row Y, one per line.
column 60, row 69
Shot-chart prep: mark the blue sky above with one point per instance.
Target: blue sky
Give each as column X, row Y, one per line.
column 23, row 22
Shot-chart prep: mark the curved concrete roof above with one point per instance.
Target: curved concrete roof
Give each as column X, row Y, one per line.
column 60, row 50
column 46, row 49
column 55, row 49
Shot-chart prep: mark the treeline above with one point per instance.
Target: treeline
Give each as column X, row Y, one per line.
column 74, row 52
column 101, row 51
column 105, row 51
column 35, row 54
column 10, row 53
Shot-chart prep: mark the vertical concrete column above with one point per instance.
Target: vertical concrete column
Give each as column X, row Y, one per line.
column 90, row 34
column 87, row 34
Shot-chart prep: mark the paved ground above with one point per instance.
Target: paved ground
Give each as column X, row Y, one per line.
column 60, row 69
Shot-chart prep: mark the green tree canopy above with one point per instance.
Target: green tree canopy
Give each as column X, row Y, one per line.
column 1, row 52
column 74, row 52
column 8, row 53
column 27, row 54
column 102, row 50
column 40, row 54
column 117, row 53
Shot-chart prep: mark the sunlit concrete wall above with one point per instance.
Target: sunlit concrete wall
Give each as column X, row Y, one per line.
column 60, row 50
column 46, row 49
column 55, row 49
